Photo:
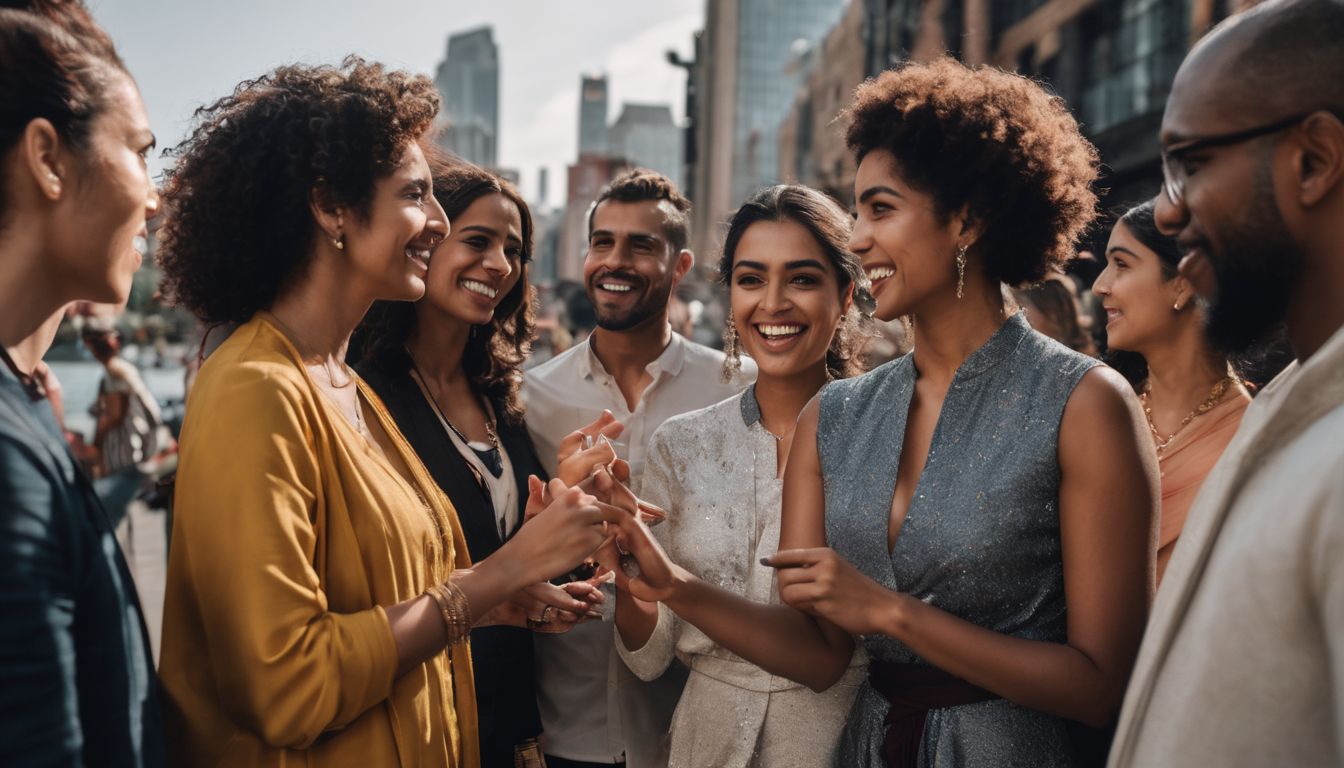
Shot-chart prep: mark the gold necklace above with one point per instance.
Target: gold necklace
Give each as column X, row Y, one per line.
column 358, row 421
column 1215, row 394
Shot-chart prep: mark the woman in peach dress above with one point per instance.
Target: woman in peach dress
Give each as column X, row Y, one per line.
column 1191, row 397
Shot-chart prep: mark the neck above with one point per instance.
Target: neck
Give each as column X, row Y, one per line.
column 631, row 351
column 321, row 311
column 1182, row 368
column 1315, row 312
column 438, row 345
column 30, row 295
column 782, row 398
column 948, row 330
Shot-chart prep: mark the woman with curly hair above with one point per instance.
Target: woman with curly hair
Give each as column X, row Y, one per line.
column 717, row 471
column 76, row 675
column 448, row 368
column 320, row 593
column 979, row 511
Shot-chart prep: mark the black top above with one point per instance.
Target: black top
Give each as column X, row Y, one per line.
column 506, row 700
column 77, row 683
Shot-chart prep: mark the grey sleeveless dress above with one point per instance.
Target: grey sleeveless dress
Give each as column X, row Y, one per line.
column 980, row 539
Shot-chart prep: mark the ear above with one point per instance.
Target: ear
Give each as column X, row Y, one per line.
column 1320, row 166
column 42, row 149
column 969, row 228
column 1181, row 291
column 847, row 302
column 685, row 260
column 330, row 217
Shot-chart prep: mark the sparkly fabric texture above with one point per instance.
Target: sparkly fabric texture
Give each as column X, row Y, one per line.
column 714, row 471
column 981, row 537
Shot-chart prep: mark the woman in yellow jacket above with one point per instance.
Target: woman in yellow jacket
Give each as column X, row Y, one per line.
column 319, row 589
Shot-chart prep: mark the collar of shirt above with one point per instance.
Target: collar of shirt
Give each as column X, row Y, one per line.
column 670, row 361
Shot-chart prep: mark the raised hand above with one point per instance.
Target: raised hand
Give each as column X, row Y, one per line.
column 824, row 584
column 588, row 448
column 658, row 578
column 567, row 530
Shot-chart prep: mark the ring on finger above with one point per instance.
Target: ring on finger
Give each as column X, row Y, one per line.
column 546, row 614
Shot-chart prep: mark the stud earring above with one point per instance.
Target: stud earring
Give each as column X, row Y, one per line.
column 732, row 350
column 1176, row 306
column 961, row 270
column 339, row 242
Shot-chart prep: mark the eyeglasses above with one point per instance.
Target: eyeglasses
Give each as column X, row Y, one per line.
column 1174, row 174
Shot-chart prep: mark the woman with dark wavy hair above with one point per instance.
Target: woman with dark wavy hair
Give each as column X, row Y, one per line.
column 320, row 594
column 76, row 676
column 718, row 472
column 448, row 369
column 1155, row 334
column 977, row 513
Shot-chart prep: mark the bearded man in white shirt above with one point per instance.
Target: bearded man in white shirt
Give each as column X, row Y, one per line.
column 594, row 711
column 1243, row 660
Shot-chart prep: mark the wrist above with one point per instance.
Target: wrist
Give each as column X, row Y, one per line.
column 682, row 589
column 893, row 619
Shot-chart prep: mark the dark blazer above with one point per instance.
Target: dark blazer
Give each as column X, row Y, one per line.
column 77, row 684
column 506, row 699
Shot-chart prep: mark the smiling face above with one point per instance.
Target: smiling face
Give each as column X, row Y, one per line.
column 390, row 249
column 631, row 267
column 107, row 189
column 906, row 248
column 785, row 298
column 477, row 265
column 1137, row 295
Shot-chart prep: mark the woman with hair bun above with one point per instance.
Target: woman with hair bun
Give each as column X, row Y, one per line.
column 1155, row 335
column 76, row 676
column 320, row 594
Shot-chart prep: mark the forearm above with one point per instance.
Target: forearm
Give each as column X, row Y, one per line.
column 1052, row 677
column 775, row 637
column 635, row 619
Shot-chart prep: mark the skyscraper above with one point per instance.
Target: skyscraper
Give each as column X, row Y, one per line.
column 593, row 116
column 468, row 82
column 646, row 135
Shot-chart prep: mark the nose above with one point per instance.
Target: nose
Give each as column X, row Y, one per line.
column 1169, row 216
column 436, row 221
column 860, row 237
column 496, row 263
column 1102, row 285
column 152, row 202
column 776, row 297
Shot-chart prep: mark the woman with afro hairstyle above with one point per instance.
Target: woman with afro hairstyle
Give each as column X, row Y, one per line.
column 979, row 512
column 320, row 592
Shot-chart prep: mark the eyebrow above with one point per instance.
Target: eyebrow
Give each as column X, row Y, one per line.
column 1121, row 249
column 643, row 237
column 419, row 184
column 878, row 190
column 799, row 264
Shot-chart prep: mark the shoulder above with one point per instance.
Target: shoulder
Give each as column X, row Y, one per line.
column 252, row 371
column 865, row 390
column 707, row 363
column 702, row 423
column 557, row 366
column 1054, row 360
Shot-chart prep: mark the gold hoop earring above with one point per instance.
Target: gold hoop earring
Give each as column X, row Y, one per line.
column 732, row 350
column 961, row 270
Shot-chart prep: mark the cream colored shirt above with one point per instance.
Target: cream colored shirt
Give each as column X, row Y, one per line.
column 592, row 708
column 1243, row 660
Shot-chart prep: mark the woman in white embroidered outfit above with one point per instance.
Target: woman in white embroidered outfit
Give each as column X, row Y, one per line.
column 718, row 471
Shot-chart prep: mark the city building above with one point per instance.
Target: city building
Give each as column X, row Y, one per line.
column 586, row 179
column 468, row 83
column 744, row 79
column 593, row 116
column 646, row 136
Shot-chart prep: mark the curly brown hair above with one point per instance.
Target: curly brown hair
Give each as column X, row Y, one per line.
column 993, row 143
column 239, row 230
column 494, row 355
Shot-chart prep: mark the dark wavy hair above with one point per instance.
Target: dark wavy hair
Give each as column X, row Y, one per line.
column 641, row 184
column 830, row 225
column 493, row 359
column 992, row 142
column 239, row 230
column 55, row 63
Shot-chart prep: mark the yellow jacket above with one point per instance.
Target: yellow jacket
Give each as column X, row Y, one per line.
column 291, row 534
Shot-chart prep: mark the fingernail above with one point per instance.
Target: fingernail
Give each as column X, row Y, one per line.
column 765, row 561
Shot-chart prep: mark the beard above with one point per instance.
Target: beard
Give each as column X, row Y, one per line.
column 1254, row 276
column 652, row 303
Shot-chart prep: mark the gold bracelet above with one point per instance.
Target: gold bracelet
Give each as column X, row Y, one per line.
column 452, row 604
column 458, row 599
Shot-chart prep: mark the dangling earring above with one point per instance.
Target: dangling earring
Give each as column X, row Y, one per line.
column 732, row 350
column 961, row 270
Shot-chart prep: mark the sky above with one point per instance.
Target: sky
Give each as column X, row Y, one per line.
column 187, row 53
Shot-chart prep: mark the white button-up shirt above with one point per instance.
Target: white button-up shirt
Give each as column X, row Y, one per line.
column 592, row 708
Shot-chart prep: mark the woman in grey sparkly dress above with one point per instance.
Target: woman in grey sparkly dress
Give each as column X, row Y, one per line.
column 978, row 512
column 717, row 472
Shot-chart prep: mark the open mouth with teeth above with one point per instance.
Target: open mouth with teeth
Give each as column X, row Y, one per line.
column 611, row 287
column 880, row 273
column 479, row 288
column 779, row 334
column 418, row 255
